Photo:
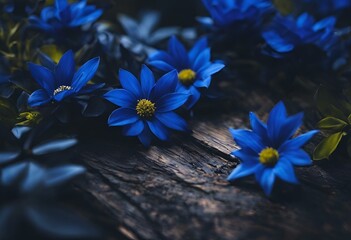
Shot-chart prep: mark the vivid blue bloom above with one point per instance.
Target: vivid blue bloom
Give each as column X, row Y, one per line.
column 269, row 151
column 147, row 108
column 225, row 13
column 285, row 34
column 64, row 15
column 60, row 81
column 195, row 68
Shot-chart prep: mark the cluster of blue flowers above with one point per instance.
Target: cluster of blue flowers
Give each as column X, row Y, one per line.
column 227, row 13
column 90, row 70
column 146, row 107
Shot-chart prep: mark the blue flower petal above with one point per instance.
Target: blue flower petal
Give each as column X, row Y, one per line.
column 146, row 136
column 38, row 98
column 258, row 127
column 297, row 142
column 158, row 129
column 166, row 84
column 134, row 129
column 203, row 83
column 202, row 59
column 275, row 122
column 246, row 155
column 163, row 57
column 87, row 18
column 64, row 94
column 89, row 88
column 328, row 22
column 65, row 69
column 147, row 81
column 161, row 65
column 267, row 180
column 278, row 43
column 199, row 46
column 297, row 157
column 290, row 126
column 47, row 13
column 285, row 171
column 130, row 83
column 37, row 23
column 122, row 98
column 178, row 52
column 242, row 170
column 247, row 139
column 43, row 76
column 85, row 73
column 208, row 71
column 193, row 98
column 61, row 4
column 123, row 116
column 172, row 120
column 171, row 102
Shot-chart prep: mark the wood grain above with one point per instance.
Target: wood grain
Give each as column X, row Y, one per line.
column 179, row 190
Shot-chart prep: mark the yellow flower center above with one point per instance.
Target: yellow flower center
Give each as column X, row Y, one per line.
column 61, row 89
column 187, row 76
column 269, row 156
column 145, row 108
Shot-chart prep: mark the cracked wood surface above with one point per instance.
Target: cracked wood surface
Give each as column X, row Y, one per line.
column 179, row 190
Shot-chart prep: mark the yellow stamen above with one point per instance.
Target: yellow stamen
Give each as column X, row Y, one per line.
column 61, row 89
column 187, row 76
column 145, row 108
column 29, row 118
column 269, row 156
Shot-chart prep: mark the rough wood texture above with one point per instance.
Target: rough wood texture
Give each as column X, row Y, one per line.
column 179, row 191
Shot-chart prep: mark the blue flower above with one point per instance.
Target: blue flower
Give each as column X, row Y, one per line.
column 194, row 68
column 60, row 81
column 285, row 34
column 225, row 13
column 147, row 107
column 63, row 15
column 269, row 151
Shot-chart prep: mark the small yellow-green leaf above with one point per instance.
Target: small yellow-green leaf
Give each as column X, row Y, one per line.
column 14, row 29
column 285, row 7
column 327, row 146
column 332, row 123
column 52, row 51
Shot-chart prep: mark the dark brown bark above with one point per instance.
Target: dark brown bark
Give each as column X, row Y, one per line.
column 179, row 191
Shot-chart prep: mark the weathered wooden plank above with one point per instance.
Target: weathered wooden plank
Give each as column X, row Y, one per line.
column 179, row 191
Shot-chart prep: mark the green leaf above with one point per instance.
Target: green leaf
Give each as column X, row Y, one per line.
column 332, row 123
column 327, row 104
column 327, row 146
